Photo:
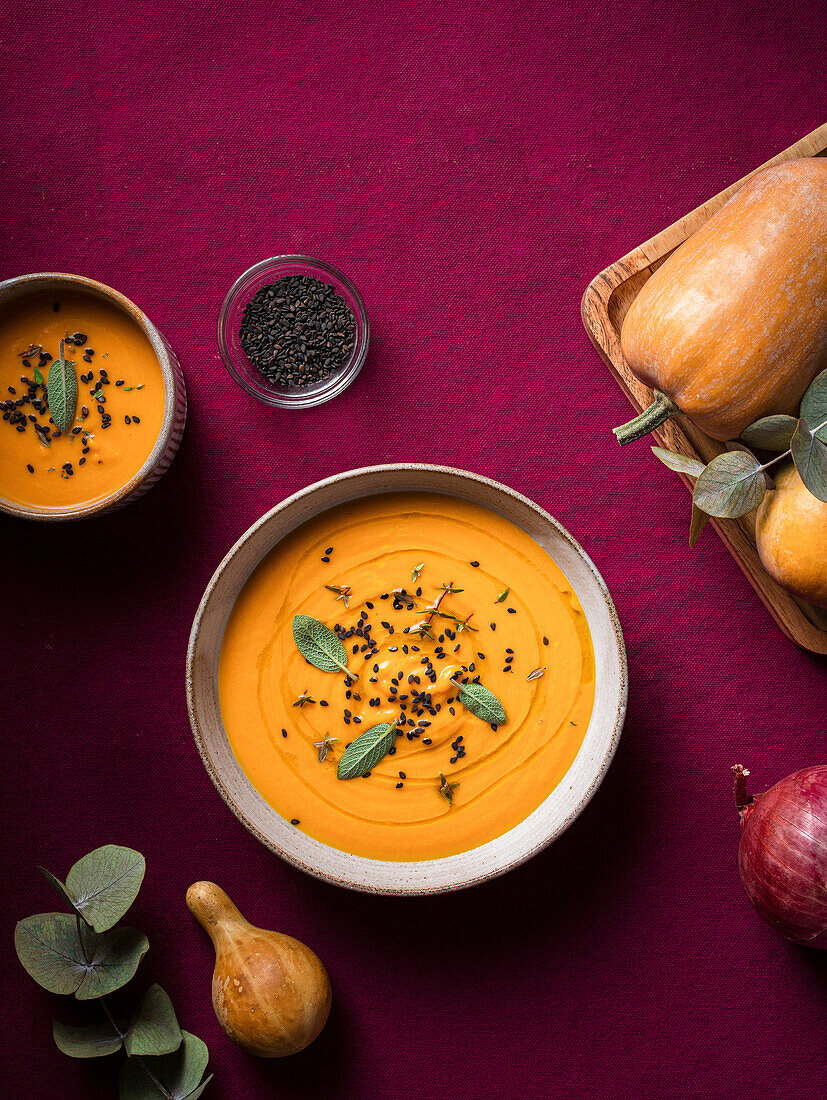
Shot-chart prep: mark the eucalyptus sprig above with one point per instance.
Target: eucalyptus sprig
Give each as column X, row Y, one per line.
column 85, row 954
column 735, row 482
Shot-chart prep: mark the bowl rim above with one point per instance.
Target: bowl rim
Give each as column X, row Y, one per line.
column 8, row 291
column 346, row 877
column 339, row 382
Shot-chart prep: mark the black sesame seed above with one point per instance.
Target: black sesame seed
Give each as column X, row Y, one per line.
column 295, row 821
column 475, row 564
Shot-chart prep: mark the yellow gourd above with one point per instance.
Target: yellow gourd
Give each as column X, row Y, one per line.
column 791, row 537
column 271, row 993
column 733, row 326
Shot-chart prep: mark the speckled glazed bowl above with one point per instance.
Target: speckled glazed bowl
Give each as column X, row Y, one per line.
column 432, row 876
column 175, row 404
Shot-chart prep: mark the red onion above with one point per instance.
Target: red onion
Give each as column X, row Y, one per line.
column 782, row 857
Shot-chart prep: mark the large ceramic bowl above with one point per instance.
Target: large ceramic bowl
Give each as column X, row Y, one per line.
column 175, row 400
column 430, row 876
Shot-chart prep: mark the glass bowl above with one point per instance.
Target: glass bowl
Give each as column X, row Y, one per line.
column 247, row 374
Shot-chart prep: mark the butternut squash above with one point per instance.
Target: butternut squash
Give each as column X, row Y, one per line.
column 791, row 537
column 733, row 326
column 270, row 993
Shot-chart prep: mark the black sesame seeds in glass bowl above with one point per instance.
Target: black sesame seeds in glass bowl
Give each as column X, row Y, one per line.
column 293, row 331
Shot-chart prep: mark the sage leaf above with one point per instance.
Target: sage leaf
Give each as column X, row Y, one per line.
column 319, row 645
column 814, row 406
column 698, row 522
column 62, row 389
column 103, row 884
column 481, row 702
column 681, row 464
column 89, row 1041
column 810, row 458
column 367, row 750
column 154, row 1027
column 180, row 1073
column 88, row 964
column 770, row 433
column 730, row 486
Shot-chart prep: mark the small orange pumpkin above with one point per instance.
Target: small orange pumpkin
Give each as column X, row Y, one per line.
column 733, row 326
column 791, row 537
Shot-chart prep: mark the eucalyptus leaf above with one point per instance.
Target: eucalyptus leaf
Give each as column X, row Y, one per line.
column 113, row 962
column 770, row 433
column 89, row 1041
column 58, row 887
column 154, row 1028
column 730, row 486
column 481, row 702
column 698, row 522
column 681, row 464
column 50, row 950
column 180, row 1073
column 320, row 645
column 62, row 390
column 810, row 458
column 814, row 406
column 103, row 885
column 86, row 964
column 367, row 750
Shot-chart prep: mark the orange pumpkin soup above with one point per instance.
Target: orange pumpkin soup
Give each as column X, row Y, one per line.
column 427, row 594
column 120, row 400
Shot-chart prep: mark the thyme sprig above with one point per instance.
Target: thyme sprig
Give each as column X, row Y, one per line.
column 447, row 789
column 342, row 591
column 325, row 746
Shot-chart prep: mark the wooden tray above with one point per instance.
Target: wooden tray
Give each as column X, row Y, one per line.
column 604, row 306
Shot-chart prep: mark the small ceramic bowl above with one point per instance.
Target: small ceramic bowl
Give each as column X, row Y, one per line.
column 175, row 403
column 430, row 876
column 248, row 376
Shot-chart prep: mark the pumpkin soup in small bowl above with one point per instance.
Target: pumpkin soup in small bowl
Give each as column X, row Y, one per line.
column 406, row 679
column 92, row 398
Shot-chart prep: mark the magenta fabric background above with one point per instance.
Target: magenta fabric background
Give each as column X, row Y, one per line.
column 470, row 166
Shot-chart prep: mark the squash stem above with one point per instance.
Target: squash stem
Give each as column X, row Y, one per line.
column 661, row 409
